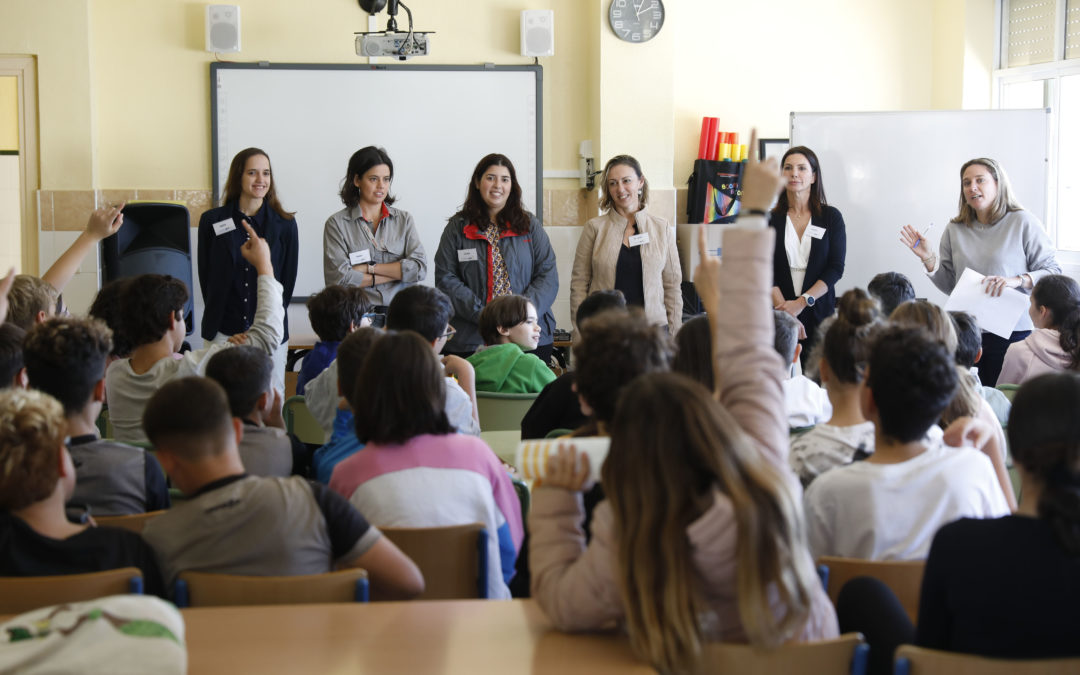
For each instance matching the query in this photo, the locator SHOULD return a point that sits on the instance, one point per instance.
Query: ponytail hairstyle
(678, 469)
(1044, 436)
(925, 314)
(848, 336)
(1061, 295)
(233, 182)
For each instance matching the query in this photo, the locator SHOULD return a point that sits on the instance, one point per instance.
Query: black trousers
(993, 355)
(870, 607)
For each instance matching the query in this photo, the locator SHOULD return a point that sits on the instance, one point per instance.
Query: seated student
(154, 322)
(891, 289)
(107, 307)
(708, 487)
(1054, 345)
(65, 358)
(233, 523)
(12, 370)
(509, 328)
(343, 442)
(693, 352)
(557, 407)
(36, 480)
(847, 436)
(968, 353)
(414, 471)
(266, 449)
(427, 311)
(806, 403)
(889, 506)
(33, 299)
(335, 311)
(1002, 588)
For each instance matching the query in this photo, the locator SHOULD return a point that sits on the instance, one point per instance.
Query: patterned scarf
(500, 279)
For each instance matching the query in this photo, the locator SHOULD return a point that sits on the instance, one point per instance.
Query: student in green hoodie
(510, 330)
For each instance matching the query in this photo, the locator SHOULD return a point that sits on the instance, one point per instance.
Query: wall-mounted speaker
(538, 32)
(222, 28)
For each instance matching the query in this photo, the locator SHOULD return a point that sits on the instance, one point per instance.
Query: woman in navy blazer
(811, 245)
(228, 282)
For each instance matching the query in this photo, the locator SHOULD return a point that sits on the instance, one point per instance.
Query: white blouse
(798, 253)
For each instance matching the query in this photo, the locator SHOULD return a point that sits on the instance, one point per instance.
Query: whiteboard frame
(218, 171)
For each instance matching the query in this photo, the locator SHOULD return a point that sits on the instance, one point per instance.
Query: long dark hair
(1061, 295)
(361, 161)
(236, 172)
(849, 336)
(817, 188)
(475, 210)
(1044, 436)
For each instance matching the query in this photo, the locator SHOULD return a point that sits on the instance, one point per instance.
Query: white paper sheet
(997, 315)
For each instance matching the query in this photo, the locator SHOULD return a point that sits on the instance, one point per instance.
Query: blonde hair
(1004, 202)
(623, 160)
(32, 431)
(677, 470)
(924, 314)
(28, 296)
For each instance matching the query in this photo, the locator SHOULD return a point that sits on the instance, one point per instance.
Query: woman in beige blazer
(629, 249)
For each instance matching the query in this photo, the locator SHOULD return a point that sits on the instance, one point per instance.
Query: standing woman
(227, 281)
(992, 235)
(369, 243)
(811, 245)
(629, 250)
(495, 247)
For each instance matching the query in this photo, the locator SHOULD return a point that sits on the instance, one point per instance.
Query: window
(1040, 66)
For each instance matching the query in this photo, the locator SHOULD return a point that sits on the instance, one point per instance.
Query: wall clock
(636, 20)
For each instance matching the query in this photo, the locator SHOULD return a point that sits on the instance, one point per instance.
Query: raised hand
(914, 240)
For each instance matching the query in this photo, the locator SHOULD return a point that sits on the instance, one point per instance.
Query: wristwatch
(809, 299)
(371, 268)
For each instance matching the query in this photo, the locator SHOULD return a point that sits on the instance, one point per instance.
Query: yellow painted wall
(125, 101)
(57, 32)
(9, 113)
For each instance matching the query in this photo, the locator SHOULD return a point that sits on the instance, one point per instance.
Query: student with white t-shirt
(889, 506)
(805, 402)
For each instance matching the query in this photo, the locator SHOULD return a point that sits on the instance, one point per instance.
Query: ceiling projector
(391, 42)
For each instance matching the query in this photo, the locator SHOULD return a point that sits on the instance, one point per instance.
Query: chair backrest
(1009, 390)
(134, 522)
(452, 559)
(203, 589)
(845, 654)
(300, 421)
(903, 577)
(912, 660)
(502, 412)
(22, 594)
(559, 433)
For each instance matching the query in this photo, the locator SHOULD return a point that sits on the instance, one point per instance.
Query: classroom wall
(124, 84)
(9, 113)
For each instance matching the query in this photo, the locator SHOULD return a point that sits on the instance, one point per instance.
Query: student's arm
(103, 222)
(268, 326)
(463, 372)
(980, 432)
(412, 268)
(355, 543)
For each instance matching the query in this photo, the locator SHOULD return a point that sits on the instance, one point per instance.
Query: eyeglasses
(449, 334)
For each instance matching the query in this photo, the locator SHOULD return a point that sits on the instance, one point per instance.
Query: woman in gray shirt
(369, 243)
(995, 236)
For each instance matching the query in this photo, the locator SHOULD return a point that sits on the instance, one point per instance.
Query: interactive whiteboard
(436, 123)
(887, 169)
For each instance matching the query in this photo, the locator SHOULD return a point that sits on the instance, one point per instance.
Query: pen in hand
(922, 235)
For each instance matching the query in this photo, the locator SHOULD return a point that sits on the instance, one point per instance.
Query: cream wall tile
(155, 195)
(45, 250)
(71, 208)
(80, 291)
(564, 242)
(45, 210)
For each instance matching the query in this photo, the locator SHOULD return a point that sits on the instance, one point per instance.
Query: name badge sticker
(466, 254)
(223, 226)
(360, 257)
(639, 239)
(815, 231)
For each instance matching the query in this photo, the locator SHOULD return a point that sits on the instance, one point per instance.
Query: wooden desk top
(446, 637)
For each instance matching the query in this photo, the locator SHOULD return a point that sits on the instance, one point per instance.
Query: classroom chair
(300, 421)
(22, 594)
(1009, 390)
(453, 559)
(502, 412)
(134, 522)
(840, 656)
(912, 660)
(559, 433)
(203, 589)
(903, 577)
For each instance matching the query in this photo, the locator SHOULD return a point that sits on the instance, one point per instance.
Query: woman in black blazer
(810, 245)
(228, 282)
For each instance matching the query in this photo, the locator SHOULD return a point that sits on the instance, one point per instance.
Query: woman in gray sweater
(995, 236)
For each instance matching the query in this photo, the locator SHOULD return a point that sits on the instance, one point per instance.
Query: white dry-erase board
(887, 169)
(436, 123)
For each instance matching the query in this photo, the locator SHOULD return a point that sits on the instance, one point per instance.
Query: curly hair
(108, 308)
(32, 431)
(65, 358)
(149, 301)
(913, 378)
(335, 309)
